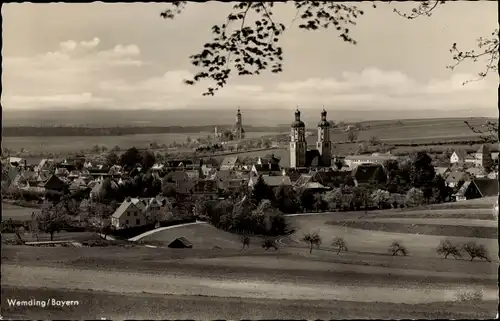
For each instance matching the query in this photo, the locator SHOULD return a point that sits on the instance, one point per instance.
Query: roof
(229, 162)
(475, 171)
(313, 185)
(483, 149)
(461, 191)
(124, 206)
(368, 172)
(293, 175)
(486, 186)
(53, 182)
(326, 177)
(268, 167)
(440, 170)
(180, 242)
(456, 176)
(462, 154)
(272, 181)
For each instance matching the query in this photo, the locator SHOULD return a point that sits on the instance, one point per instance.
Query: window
(138, 221)
(135, 214)
(126, 221)
(128, 214)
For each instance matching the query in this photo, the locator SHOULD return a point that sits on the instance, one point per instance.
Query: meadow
(61, 144)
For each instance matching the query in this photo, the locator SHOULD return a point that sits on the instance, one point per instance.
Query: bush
(446, 248)
(476, 250)
(396, 247)
(268, 244)
(340, 244)
(464, 296)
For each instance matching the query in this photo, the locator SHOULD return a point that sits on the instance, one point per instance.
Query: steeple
(297, 122)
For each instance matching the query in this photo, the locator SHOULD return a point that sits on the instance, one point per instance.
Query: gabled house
(475, 172)
(55, 184)
(461, 156)
(441, 170)
(99, 187)
(207, 187)
(271, 169)
(354, 160)
(271, 181)
(230, 162)
(331, 178)
(483, 156)
(128, 215)
(455, 177)
(477, 188)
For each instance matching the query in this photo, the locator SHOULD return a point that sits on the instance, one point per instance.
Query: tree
(52, 219)
(476, 250)
(147, 159)
(352, 135)
(261, 191)
(414, 197)
(286, 199)
(112, 159)
(312, 239)
(446, 248)
(362, 197)
(130, 158)
(381, 198)
(97, 217)
(422, 171)
(251, 49)
(333, 198)
(397, 247)
(307, 200)
(340, 244)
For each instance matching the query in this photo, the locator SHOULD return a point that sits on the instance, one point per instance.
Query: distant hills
(211, 117)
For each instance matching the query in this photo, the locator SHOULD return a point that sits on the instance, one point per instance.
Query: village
(136, 192)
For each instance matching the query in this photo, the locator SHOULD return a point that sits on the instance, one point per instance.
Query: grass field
(61, 144)
(265, 280)
(17, 212)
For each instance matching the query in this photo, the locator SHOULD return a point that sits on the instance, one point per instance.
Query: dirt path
(124, 282)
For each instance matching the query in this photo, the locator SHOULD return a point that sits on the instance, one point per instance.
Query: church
(300, 156)
(236, 133)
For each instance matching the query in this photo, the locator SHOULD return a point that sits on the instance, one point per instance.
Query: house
(461, 156)
(455, 177)
(441, 170)
(331, 178)
(78, 184)
(475, 172)
(15, 161)
(354, 160)
(477, 188)
(204, 186)
(271, 181)
(128, 215)
(266, 169)
(308, 182)
(55, 184)
(230, 162)
(483, 156)
(180, 243)
(369, 173)
(208, 171)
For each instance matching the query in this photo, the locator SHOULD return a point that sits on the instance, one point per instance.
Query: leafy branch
(488, 131)
(425, 8)
(488, 49)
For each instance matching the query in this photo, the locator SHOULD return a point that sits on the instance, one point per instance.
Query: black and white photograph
(239, 160)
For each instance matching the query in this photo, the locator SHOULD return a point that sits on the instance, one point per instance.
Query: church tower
(298, 144)
(238, 131)
(323, 145)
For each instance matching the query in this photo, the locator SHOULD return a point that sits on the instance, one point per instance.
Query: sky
(124, 56)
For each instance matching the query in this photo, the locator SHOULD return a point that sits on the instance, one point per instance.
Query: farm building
(180, 243)
(477, 188)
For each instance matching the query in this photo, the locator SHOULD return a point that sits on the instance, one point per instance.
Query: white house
(128, 214)
(355, 160)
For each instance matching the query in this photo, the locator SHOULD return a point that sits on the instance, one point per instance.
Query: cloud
(59, 100)
(62, 75)
(87, 73)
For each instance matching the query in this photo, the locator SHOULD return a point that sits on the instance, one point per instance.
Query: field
(61, 144)
(366, 282)
(15, 212)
